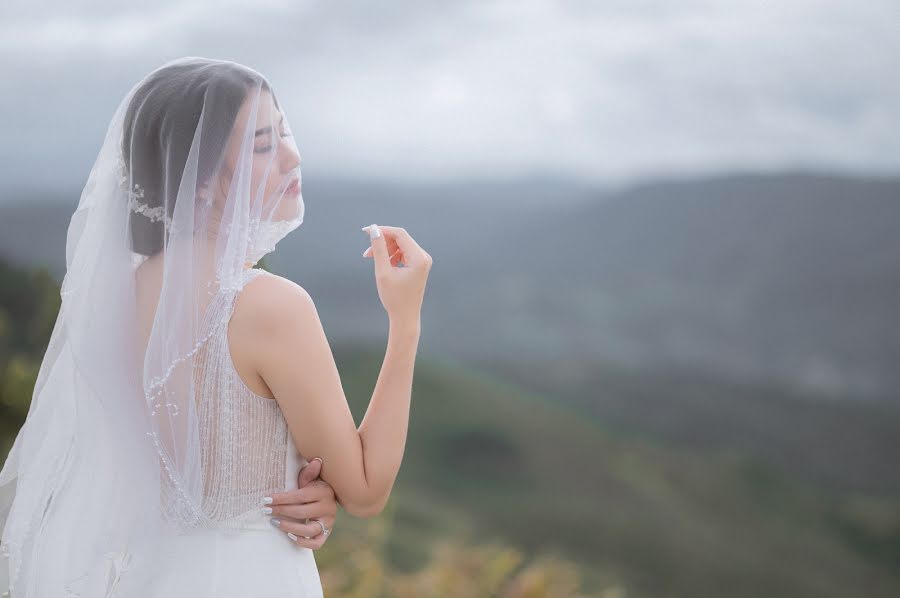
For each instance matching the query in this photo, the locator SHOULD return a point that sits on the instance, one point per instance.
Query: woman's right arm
(293, 357)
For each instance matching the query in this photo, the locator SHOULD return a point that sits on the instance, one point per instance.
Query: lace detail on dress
(244, 436)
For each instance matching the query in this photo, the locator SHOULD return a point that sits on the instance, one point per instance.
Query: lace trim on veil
(136, 193)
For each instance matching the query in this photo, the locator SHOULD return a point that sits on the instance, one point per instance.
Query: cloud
(599, 90)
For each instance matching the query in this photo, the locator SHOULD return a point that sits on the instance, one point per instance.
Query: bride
(183, 388)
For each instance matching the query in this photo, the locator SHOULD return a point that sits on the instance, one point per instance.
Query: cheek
(267, 181)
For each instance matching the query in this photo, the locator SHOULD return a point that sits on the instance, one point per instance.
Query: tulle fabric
(196, 179)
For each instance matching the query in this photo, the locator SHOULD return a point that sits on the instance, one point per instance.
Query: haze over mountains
(787, 277)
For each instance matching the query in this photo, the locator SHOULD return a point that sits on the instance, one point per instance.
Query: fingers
(315, 544)
(316, 490)
(379, 247)
(309, 472)
(294, 511)
(401, 247)
(404, 241)
(309, 534)
(301, 512)
(396, 256)
(388, 239)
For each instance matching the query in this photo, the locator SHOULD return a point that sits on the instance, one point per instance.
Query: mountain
(784, 277)
(791, 277)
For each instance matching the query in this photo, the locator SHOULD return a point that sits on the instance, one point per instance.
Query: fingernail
(292, 536)
(274, 521)
(267, 500)
(365, 251)
(267, 510)
(374, 232)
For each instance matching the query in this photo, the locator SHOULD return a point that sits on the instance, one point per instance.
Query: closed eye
(268, 148)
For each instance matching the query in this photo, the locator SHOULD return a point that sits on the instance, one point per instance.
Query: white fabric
(141, 457)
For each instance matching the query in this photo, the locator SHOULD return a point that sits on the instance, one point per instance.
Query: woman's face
(275, 159)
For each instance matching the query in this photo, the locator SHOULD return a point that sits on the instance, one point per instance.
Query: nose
(288, 155)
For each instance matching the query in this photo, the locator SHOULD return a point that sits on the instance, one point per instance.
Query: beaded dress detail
(247, 450)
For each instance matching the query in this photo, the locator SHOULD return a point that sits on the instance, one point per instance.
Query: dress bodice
(246, 448)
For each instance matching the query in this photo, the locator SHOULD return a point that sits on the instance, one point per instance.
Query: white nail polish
(292, 536)
(374, 231)
(267, 500)
(267, 510)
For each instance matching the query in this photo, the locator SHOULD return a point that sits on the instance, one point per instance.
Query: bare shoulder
(268, 303)
(271, 291)
(272, 316)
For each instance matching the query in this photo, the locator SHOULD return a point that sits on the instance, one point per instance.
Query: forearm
(384, 427)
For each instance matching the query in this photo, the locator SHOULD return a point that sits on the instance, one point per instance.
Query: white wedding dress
(247, 453)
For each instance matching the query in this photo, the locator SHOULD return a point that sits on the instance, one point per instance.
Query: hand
(400, 288)
(296, 509)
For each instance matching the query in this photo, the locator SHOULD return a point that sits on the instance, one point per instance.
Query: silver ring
(325, 530)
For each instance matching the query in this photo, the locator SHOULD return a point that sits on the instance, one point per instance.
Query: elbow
(376, 508)
(365, 510)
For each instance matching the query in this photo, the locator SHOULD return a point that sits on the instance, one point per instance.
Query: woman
(182, 387)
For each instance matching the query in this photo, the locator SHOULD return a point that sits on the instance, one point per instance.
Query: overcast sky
(607, 91)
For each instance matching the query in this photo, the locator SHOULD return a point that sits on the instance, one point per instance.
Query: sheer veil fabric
(197, 178)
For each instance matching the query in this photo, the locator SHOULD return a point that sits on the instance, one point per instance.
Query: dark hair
(168, 106)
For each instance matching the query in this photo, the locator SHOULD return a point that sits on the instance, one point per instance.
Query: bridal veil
(197, 178)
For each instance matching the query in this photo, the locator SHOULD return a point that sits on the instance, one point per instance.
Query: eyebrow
(267, 129)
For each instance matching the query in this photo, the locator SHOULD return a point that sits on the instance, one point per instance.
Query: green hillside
(486, 459)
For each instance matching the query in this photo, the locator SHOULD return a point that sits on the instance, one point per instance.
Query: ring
(325, 530)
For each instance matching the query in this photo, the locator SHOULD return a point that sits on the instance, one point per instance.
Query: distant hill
(686, 504)
(786, 277)
(791, 277)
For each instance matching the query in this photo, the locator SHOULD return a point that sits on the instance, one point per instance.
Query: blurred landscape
(678, 387)
(660, 348)
(783, 277)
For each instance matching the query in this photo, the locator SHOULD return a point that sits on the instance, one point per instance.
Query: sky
(601, 91)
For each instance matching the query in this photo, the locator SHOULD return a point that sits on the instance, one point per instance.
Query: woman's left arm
(313, 500)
